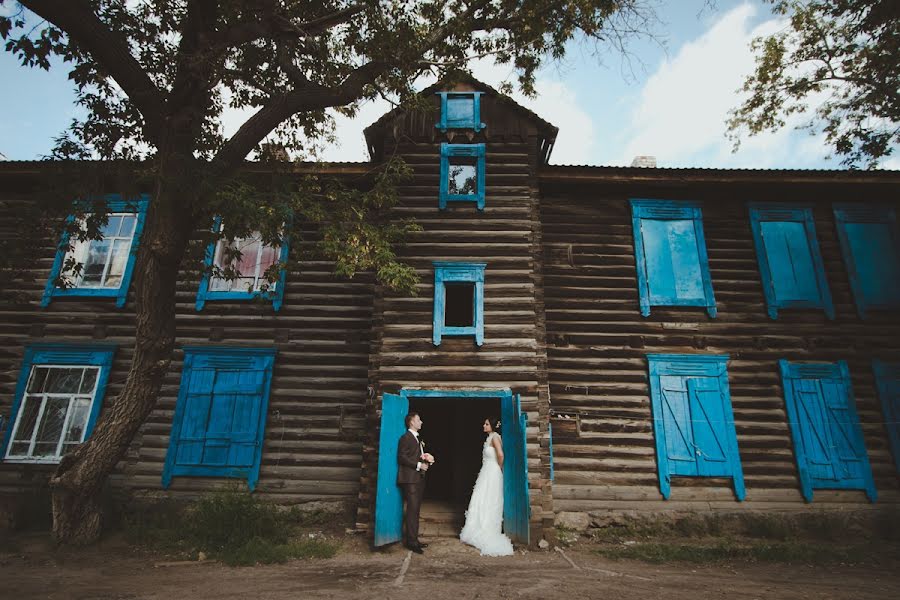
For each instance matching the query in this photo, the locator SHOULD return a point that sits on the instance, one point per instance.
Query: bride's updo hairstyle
(495, 424)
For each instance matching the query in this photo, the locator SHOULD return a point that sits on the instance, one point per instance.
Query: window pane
(38, 379)
(246, 264)
(459, 308)
(111, 229)
(117, 263)
(50, 427)
(63, 380)
(89, 381)
(31, 406)
(128, 223)
(78, 420)
(460, 110)
(94, 263)
(462, 176)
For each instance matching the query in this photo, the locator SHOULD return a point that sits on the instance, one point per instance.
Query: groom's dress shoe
(423, 545)
(415, 548)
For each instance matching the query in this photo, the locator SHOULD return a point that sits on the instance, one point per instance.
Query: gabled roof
(549, 130)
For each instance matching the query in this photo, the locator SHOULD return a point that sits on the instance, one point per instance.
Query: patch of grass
(261, 551)
(767, 526)
(724, 551)
(232, 526)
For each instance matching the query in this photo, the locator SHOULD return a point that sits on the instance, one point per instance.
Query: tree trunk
(78, 483)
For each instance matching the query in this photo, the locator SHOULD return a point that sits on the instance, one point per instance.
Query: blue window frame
(693, 422)
(670, 252)
(460, 110)
(220, 416)
(828, 440)
(793, 275)
(458, 301)
(887, 378)
(870, 242)
(57, 400)
(462, 174)
(256, 258)
(107, 264)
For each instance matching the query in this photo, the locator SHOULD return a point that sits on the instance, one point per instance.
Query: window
(462, 174)
(870, 242)
(248, 258)
(670, 251)
(57, 400)
(220, 415)
(790, 264)
(460, 110)
(458, 301)
(828, 441)
(693, 423)
(887, 378)
(107, 263)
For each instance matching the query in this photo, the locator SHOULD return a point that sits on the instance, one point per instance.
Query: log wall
(598, 341)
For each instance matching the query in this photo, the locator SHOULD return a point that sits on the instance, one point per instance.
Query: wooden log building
(652, 340)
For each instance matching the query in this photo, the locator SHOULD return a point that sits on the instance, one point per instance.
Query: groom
(413, 462)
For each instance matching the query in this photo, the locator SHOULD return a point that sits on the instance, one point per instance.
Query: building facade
(651, 339)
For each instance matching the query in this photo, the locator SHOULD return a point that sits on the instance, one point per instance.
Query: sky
(669, 100)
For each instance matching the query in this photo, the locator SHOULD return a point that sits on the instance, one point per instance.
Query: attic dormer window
(460, 110)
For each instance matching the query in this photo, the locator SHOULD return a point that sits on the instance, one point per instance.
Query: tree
(840, 54)
(154, 77)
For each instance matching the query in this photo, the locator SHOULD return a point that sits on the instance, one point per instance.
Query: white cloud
(681, 111)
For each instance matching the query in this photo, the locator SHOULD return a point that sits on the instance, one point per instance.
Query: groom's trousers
(412, 493)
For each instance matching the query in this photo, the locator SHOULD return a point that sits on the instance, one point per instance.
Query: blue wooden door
(887, 376)
(516, 507)
(389, 499)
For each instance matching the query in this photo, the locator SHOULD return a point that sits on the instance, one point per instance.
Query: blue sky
(670, 102)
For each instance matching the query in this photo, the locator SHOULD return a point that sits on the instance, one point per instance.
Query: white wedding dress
(484, 518)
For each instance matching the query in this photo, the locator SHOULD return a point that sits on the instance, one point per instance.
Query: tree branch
(111, 51)
(277, 26)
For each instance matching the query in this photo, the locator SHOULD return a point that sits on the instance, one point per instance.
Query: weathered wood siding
(315, 425)
(597, 343)
(506, 236)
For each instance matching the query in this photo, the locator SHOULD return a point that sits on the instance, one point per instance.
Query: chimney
(644, 161)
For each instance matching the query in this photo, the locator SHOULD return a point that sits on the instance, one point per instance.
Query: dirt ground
(447, 571)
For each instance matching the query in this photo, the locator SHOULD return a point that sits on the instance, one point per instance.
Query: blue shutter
(460, 110)
(828, 440)
(221, 414)
(887, 377)
(692, 420)
(516, 505)
(389, 499)
(870, 242)
(790, 264)
(670, 253)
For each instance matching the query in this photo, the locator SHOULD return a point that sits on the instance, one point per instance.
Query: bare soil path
(448, 571)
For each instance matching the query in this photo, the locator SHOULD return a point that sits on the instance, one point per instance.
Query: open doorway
(452, 432)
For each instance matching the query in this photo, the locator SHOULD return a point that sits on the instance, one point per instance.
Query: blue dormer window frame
(114, 204)
(448, 151)
(790, 262)
(870, 244)
(60, 356)
(457, 113)
(451, 272)
(663, 268)
(204, 294)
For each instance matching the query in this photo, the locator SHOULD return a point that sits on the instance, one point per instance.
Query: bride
(484, 517)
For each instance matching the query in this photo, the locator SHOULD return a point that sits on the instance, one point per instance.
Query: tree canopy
(836, 60)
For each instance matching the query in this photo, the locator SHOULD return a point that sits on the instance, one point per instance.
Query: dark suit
(412, 482)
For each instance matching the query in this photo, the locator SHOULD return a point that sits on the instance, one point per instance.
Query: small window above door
(458, 301)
